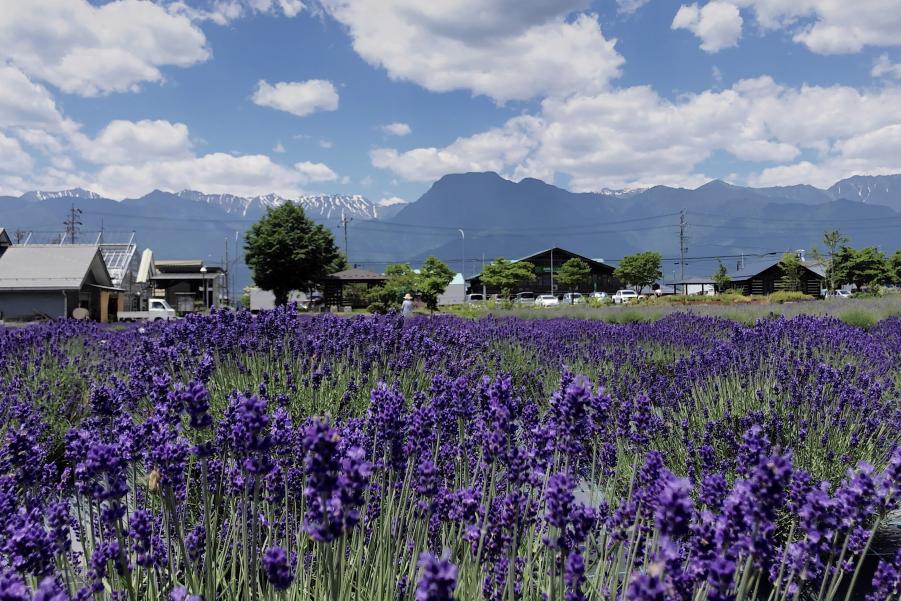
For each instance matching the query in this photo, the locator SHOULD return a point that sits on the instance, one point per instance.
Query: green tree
(572, 273)
(434, 276)
(894, 267)
(868, 266)
(841, 266)
(833, 240)
(791, 272)
(400, 279)
(721, 276)
(287, 251)
(639, 270)
(507, 275)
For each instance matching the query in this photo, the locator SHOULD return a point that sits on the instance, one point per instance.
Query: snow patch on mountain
(73, 193)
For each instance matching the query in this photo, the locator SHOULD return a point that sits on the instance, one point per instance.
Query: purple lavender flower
(12, 588)
(279, 571)
(438, 580)
(559, 498)
(645, 587)
(50, 590)
(674, 508)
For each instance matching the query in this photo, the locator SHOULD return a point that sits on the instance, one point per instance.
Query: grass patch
(630, 316)
(859, 318)
(786, 296)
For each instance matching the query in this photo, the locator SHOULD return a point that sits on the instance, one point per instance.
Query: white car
(598, 296)
(547, 300)
(842, 294)
(625, 296)
(572, 298)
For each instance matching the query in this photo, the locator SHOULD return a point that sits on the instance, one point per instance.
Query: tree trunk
(281, 297)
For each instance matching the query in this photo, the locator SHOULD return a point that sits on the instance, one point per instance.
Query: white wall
(455, 292)
(264, 299)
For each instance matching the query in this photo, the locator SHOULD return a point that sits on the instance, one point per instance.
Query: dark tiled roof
(357, 274)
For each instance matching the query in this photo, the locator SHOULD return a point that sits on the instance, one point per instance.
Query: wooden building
(348, 287)
(765, 277)
(547, 264)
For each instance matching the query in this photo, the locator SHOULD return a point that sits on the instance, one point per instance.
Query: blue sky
(256, 96)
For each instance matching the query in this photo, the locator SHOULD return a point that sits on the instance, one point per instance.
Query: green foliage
(434, 276)
(859, 318)
(507, 275)
(894, 267)
(721, 276)
(400, 279)
(791, 272)
(287, 251)
(640, 270)
(573, 273)
(377, 307)
(870, 266)
(833, 240)
(862, 267)
(788, 296)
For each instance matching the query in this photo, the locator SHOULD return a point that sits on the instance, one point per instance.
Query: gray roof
(4, 238)
(753, 267)
(355, 273)
(52, 267)
(695, 280)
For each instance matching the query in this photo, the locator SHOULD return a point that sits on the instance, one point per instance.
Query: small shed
(348, 287)
(51, 280)
(696, 285)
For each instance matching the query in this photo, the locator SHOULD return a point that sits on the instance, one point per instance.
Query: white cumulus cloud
(397, 129)
(634, 137)
(503, 49)
(215, 173)
(12, 158)
(136, 142)
(886, 68)
(830, 26)
(718, 24)
(90, 50)
(299, 98)
(223, 12)
(493, 150)
(315, 172)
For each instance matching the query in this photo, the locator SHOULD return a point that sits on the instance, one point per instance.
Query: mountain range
(497, 217)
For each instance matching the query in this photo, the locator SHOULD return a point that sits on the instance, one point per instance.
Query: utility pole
(72, 223)
(227, 290)
(552, 270)
(682, 248)
(344, 221)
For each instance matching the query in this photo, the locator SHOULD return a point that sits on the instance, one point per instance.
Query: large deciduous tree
(287, 251)
(573, 273)
(507, 275)
(640, 270)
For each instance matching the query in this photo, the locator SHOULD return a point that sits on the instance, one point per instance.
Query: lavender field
(371, 458)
